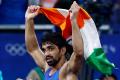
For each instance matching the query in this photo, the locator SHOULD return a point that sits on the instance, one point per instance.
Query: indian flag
(93, 52)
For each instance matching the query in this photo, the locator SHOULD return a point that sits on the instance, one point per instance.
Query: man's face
(52, 53)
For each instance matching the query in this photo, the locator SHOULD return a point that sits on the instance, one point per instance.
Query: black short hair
(57, 39)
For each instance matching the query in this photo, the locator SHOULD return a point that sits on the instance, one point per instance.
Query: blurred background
(15, 62)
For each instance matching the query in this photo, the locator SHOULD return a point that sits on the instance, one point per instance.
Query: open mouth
(49, 60)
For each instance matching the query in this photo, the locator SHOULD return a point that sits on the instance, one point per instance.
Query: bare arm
(71, 68)
(30, 37)
(76, 60)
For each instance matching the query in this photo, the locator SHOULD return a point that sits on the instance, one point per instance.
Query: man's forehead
(47, 44)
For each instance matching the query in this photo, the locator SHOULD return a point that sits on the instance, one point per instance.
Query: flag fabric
(60, 18)
(93, 52)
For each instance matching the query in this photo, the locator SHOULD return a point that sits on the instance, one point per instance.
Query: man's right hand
(32, 12)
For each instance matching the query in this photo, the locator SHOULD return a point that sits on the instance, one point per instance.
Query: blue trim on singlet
(55, 76)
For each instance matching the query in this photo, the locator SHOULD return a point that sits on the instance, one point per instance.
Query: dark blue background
(16, 66)
(111, 45)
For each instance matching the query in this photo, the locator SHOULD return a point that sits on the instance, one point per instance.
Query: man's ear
(63, 50)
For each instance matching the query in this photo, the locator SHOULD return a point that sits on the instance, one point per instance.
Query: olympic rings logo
(15, 49)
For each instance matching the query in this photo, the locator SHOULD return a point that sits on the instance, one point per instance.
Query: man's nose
(47, 53)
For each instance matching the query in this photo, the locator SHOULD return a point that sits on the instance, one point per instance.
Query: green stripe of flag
(99, 61)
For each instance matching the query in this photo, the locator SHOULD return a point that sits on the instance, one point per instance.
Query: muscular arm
(31, 40)
(72, 67)
(76, 60)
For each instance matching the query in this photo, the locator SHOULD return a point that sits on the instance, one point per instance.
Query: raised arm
(30, 37)
(72, 67)
(76, 60)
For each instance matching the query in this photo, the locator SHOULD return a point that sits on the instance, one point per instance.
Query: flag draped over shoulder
(93, 52)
